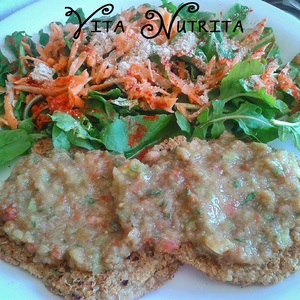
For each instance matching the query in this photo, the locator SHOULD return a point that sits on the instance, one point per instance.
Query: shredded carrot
(252, 38)
(77, 63)
(287, 84)
(45, 91)
(107, 84)
(100, 61)
(9, 116)
(181, 69)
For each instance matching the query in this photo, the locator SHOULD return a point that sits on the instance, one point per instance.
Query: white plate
(188, 284)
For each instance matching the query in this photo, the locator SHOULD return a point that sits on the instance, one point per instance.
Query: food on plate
(124, 87)
(61, 206)
(143, 272)
(95, 210)
(58, 221)
(229, 208)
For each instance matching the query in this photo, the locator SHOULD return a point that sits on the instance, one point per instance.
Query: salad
(118, 90)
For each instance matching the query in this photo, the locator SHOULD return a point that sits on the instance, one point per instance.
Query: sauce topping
(61, 208)
(237, 201)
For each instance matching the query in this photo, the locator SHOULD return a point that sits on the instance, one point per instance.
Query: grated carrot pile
(106, 59)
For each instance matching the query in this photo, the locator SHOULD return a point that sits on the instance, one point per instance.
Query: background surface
(7, 7)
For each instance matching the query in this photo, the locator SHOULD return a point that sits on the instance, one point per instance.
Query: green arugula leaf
(157, 60)
(27, 125)
(73, 131)
(143, 131)
(235, 14)
(289, 127)
(73, 19)
(257, 97)
(111, 94)
(114, 136)
(184, 14)
(217, 45)
(5, 68)
(2, 111)
(98, 101)
(59, 138)
(13, 42)
(290, 131)
(231, 84)
(268, 39)
(169, 6)
(83, 142)
(282, 107)
(248, 116)
(13, 143)
(20, 105)
(182, 122)
(44, 38)
(294, 71)
(131, 134)
(101, 110)
(247, 121)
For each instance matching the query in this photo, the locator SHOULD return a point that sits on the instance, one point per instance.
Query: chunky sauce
(61, 208)
(238, 201)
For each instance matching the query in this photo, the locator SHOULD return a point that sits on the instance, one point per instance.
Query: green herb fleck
(163, 204)
(250, 197)
(278, 170)
(268, 217)
(56, 272)
(191, 224)
(134, 168)
(154, 192)
(237, 183)
(168, 216)
(188, 192)
(239, 240)
(89, 200)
